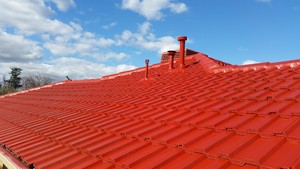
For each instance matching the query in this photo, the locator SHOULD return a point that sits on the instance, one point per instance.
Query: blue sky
(92, 38)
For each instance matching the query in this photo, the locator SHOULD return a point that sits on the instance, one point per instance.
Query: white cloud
(89, 45)
(104, 42)
(248, 62)
(110, 25)
(76, 27)
(86, 43)
(264, 1)
(67, 40)
(109, 55)
(126, 35)
(144, 28)
(31, 17)
(64, 5)
(59, 68)
(166, 43)
(59, 49)
(61, 39)
(178, 7)
(152, 9)
(78, 68)
(17, 48)
(147, 40)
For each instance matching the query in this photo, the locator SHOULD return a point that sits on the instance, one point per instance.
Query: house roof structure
(209, 114)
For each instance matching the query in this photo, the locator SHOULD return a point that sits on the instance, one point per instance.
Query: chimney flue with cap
(182, 40)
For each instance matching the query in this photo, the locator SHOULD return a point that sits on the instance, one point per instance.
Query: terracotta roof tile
(209, 115)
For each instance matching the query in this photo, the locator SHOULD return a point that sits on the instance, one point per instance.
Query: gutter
(9, 161)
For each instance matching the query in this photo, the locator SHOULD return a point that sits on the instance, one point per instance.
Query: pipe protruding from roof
(147, 67)
(182, 40)
(68, 78)
(171, 58)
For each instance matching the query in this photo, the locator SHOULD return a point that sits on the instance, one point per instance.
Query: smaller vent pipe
(147, 67)
(171, 58)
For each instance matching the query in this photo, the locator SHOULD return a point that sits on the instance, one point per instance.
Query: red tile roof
(209, 115)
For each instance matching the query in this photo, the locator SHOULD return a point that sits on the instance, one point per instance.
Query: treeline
(18, 83)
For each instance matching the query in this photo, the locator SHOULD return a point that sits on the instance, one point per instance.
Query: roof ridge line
(217, 66)
(256, 66)
(208, 62)
(129, 72)
(32, 89)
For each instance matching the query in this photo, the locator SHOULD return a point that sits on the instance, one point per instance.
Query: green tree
(5, 88)
(15, 79)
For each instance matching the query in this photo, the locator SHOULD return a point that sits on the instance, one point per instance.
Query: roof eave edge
(10, 161)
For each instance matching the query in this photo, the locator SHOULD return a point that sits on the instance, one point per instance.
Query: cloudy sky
(92, 38)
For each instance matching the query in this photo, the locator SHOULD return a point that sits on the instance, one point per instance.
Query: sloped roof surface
(209, 115)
